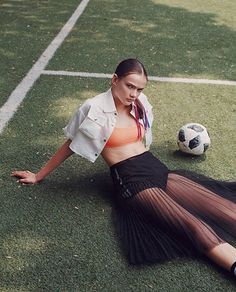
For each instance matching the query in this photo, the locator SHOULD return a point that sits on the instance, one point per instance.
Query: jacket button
(104, 140)
(96, 154)
(115, 114)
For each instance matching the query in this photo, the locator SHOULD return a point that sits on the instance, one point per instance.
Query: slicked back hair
(130, 66)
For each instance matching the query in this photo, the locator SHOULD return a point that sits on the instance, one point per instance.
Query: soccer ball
(193, 138)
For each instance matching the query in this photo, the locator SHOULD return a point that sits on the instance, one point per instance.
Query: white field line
(153, 78)
(17, 96)
(76, 74)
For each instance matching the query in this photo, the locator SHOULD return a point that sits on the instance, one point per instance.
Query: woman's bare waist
(117, 154)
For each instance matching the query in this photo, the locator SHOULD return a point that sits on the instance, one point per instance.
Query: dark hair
(130, 66)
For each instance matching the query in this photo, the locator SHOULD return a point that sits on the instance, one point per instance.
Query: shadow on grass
(177, 159)
(170, 41)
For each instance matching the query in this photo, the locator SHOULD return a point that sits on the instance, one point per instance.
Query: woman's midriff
(117, 154)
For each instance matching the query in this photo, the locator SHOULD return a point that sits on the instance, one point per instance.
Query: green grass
(172, 40)
(210, 105)
(26, 28)
(58, 235)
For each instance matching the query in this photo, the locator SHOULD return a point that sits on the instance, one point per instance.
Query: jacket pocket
(92, 125)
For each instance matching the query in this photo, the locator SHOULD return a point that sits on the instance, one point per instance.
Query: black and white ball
(193, 138)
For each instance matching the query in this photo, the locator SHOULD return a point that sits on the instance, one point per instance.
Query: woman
(160, 214)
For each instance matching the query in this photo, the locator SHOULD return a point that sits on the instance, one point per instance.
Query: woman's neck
(120, 107)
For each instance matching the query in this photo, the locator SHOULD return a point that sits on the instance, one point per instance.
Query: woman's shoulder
(99, 99)
(144, 100)
(102, 102)
(94, 102)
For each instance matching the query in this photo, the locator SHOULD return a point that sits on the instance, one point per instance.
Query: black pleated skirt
(160, 214)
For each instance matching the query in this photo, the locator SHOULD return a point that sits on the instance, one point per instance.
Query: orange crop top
(124, 136)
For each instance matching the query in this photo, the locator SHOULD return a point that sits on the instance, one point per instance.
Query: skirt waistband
(116, 165)
(142, 170)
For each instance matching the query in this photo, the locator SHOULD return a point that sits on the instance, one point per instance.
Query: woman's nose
(134, 93)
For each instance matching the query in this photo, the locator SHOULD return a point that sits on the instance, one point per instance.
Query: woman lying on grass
(160, 214)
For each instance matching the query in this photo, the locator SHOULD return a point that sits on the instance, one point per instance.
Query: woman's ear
(114, 79)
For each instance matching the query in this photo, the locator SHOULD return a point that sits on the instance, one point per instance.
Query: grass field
(58, 235)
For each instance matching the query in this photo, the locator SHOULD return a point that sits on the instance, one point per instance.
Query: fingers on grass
(15, 173)
(20, 173)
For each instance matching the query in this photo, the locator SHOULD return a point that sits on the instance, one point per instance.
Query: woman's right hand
(25, 177)
(28, 177)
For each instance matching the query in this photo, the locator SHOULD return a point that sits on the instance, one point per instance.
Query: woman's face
(126, 89)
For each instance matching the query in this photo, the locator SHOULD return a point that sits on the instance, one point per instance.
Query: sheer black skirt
(161, 214)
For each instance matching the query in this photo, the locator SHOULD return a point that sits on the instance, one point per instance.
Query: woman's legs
(224, 255)
(201, 201)
(174, 220)
(204, 202)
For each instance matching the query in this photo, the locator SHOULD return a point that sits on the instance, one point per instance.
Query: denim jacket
(92, 125)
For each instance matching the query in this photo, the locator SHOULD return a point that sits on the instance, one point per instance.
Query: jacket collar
(108, 102)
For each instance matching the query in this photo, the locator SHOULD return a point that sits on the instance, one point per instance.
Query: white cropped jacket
(92, 124)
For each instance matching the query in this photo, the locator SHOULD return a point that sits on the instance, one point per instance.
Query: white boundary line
(76, 74)
(153, 78)
(17, 96)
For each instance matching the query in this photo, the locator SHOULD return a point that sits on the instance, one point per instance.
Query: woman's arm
(27, 177)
